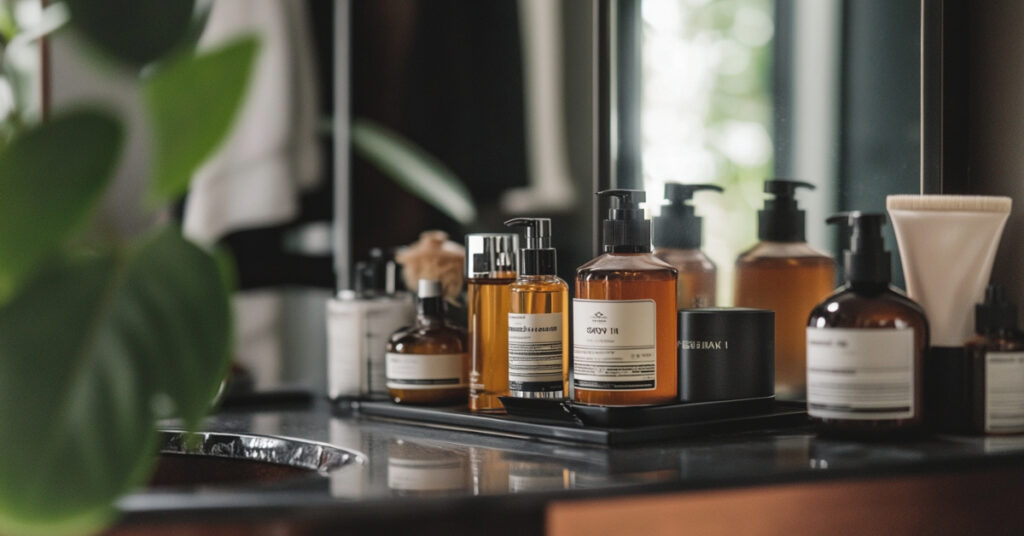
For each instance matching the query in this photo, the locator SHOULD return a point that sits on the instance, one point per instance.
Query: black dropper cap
(429, 298)
(538, 257)
(996, 313)
(678, 226)
(781, 220)
(866, 259)
(625, 230)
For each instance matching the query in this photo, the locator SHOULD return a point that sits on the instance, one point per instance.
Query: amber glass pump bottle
(490, 270)
(786, 275)
(624, 315)
(676, 235)
(538, 323)
(996, 367)
(865, 344)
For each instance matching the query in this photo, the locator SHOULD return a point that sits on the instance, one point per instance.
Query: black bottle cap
(378, 275)
(781, 220)
(678, 226)
(538, 257)
(996, 313)
(429, 297)
(625, 230)
(866, 259)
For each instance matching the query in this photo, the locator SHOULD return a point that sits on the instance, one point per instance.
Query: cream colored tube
(947, 245)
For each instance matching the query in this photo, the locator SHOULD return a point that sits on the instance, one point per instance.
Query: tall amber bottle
(865, 344)
(490, 270)
(676, 236)
(786, 275)
(538, 319)
(624, 315)
(427, 363)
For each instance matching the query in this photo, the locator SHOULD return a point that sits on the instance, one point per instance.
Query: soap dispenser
(538, 323)
(676, 236)
(624, 315)
(786, 275)
(865, 344)
(996, 367)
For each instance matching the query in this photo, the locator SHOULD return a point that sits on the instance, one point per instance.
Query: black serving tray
(608, 426)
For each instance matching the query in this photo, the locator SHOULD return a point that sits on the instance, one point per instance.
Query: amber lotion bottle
(538, 318)
(786, 275)
(624, 315)
(676, 236)
(996, 367)
(490, 271)
(865, 344)
(427, 363)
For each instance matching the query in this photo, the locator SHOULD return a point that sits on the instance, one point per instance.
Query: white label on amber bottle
(860, 374)
(535, 352)
(426, 371)
(614, 345)
(1004, 392)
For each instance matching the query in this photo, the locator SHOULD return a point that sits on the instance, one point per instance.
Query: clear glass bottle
(490, 270)
(538, 319)
(996, 367)
(624, 316)
(427, 363)
(865, 344)
(786, 275)
(676, 236)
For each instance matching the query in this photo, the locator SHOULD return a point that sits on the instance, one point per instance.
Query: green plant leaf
(92, 350)
(133, 31)
(414, 169)
(51, 177)
(192, 103)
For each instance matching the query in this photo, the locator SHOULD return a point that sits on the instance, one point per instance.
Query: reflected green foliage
(91, 351)
(44, 199)
(193, 102)
(135, 32)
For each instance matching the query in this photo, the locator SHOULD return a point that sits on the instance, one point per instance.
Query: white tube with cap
(947, 246)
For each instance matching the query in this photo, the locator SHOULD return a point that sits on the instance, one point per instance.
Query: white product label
(381, 321)
(1004, 392)
(426, 371)
(614, 345)
(535, 352)
(860, 374)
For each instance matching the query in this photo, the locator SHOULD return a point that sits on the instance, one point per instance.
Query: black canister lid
(726, 353)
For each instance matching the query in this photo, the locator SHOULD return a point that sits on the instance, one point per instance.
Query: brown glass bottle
(995, 367)
(790, 279)
(427, 363)
(490, 270)
(866, 345)
(697, 276)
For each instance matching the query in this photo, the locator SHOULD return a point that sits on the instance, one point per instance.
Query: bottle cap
(781, 220)
(678, 226)
(429, 288)
(538, 257)
(378, 275)
(487, 254)
(996, 312)
(625, 230)
(866, 260)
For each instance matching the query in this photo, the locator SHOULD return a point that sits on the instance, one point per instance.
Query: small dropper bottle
(676, 236)
(538, 319)
(996, 366)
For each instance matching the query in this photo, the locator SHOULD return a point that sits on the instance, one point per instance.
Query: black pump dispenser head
(625, 230)
(781, 220)
(538, 257)
(866, 259)
(996, 313)
(678, 226)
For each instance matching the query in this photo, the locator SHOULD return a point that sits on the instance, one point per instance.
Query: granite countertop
(420, 468)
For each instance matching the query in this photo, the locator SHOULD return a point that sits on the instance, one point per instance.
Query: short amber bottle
(866, 344)
(427, 363)
(996, 367)
(624, 316)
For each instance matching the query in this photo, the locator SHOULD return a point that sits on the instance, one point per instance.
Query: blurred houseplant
(100, 336)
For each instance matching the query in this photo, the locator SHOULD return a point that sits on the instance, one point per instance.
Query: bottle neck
(626, 249)
(868, 287)
(430, 312)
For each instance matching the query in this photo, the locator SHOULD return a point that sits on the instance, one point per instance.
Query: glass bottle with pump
(490, 270)
(427, 363)
(865, 344)
(996, 367)
(676, 235)
(538, 323)
(786, 275)
(624, 315)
